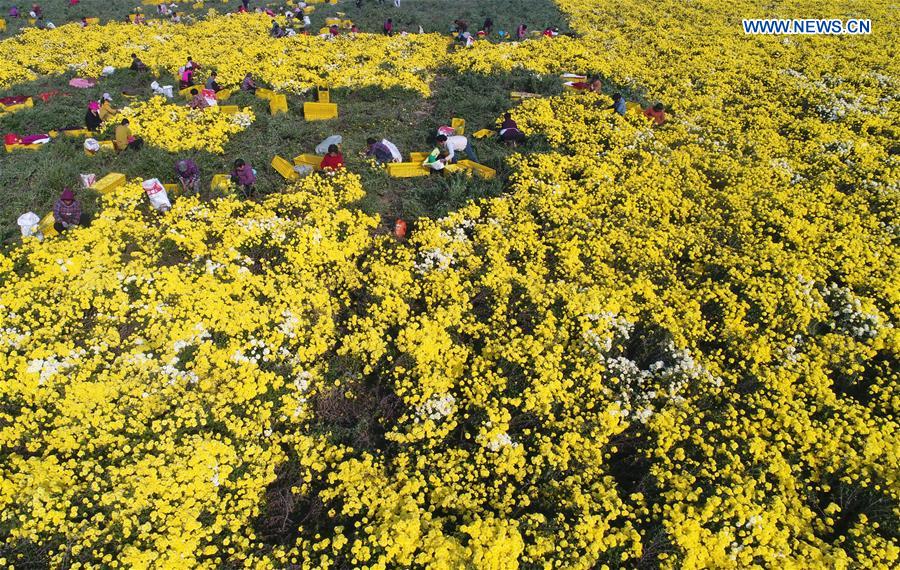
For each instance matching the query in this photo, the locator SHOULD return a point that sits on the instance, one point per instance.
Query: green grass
(32, 180)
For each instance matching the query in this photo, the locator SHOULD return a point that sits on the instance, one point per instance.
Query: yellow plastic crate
(2, 25)
(264, 93)
(347, 23)
(12, 147)
(186, 92)
(406, 169)
(284, 168)
(320, 111)
(152, 2)
(484, 171)
(46, 225)
(27, 104)
(94, 21)
(220, 182)
(172, 188)
(308, 159)
(309, 10)
(519, 95)
(332, 22)
(324, 96)
(228, 109)
(324, 31)
(74, 133)
(634, 108)
(459, 125)
(483, 133)
(223, 95)
(109, 183)
(418, 157)
(278, 104)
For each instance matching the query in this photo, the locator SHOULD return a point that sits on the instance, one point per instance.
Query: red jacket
(332, 162)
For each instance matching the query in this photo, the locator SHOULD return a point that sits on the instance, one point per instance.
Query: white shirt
(455, 143)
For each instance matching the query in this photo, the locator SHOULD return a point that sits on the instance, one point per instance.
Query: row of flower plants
(664, 346)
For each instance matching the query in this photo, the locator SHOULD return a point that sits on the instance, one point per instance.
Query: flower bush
(176, 127)
(671, 346)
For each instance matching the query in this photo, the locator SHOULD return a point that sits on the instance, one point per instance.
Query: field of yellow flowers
(664, 346)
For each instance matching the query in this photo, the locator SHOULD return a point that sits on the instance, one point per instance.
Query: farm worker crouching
(187, 78)
(618, 104)
(244, 177)
(198, 101)
(248, 84)
(137, 64)
(382, 151)
(454, 144)
(657, 113)
(124, 139)
(67, 212)
(276, 31)
(521, 32)
(509, 131)
(107, 111)
(212, 83)
(92, 119)
(188, 175)
(333, 160)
